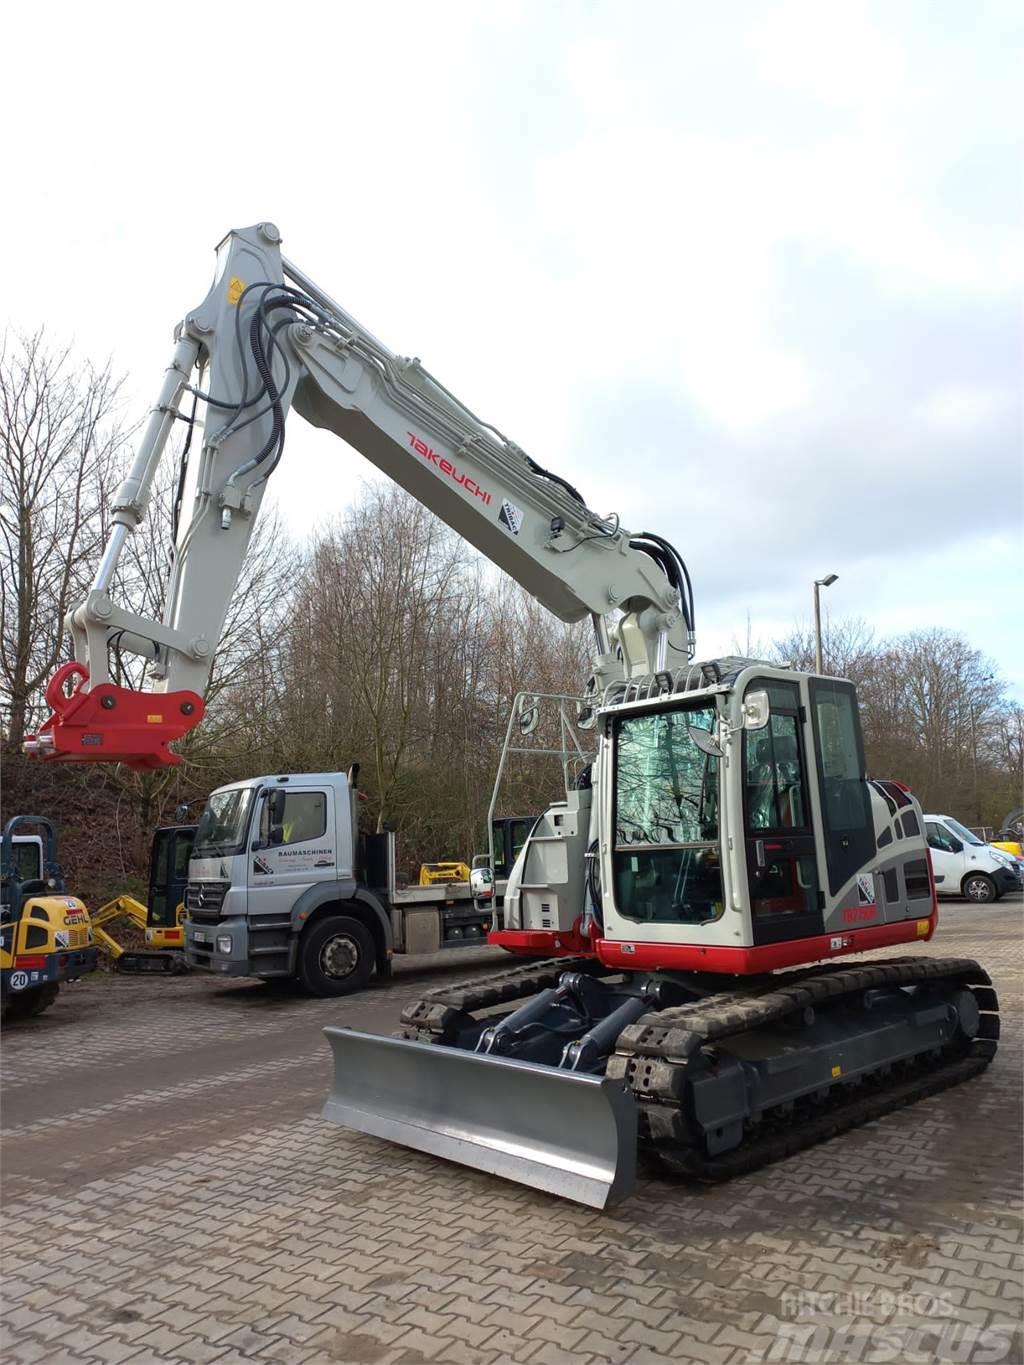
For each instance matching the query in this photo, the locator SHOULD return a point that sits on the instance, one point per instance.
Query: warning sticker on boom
(511, 516)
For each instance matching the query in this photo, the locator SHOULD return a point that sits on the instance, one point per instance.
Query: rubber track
(680, 1031)
(653, 1055)
(857, 1110)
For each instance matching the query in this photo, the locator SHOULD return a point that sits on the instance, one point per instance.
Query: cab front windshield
(223, 824)
(666, 861)
(962, 832)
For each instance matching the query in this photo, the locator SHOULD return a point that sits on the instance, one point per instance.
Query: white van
(965, 865)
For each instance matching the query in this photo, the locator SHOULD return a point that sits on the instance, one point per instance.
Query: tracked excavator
(685, 915)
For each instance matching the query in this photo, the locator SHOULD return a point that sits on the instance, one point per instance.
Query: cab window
(182, 854)
(666, 858)
(845, 804)
(303, 817)
(939, 837)
(776, 788)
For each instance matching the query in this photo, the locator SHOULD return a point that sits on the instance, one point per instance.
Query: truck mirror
(277, 799)
(756, 710)
(276, 836)
(481, 883)
(955, 846)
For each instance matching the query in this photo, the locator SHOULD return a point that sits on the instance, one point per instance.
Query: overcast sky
(748, 274)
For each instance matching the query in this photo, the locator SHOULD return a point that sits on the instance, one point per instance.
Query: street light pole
(818, 584)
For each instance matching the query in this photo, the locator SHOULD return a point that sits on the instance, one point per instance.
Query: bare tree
(848, 648)
(61, 432)
(383, 586)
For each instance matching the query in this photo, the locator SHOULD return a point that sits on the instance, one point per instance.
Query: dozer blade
(560, 1131)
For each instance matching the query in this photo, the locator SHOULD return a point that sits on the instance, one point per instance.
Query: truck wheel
(336, 956)
(979, 888)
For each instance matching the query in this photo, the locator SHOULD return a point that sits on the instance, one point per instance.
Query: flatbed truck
(282, 884)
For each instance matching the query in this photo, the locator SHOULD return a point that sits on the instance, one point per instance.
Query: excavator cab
(45, 934)
(162, 919)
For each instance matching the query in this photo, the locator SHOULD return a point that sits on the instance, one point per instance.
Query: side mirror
(276, 836)
(276, 802)
(481, 883)
(529, 716)
(756, 710)
(955, 846)
(704, 741)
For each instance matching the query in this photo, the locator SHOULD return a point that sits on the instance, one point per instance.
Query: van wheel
(335, 956)
(979, 888)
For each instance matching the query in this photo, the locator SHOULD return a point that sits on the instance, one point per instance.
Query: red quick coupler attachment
(110, 724)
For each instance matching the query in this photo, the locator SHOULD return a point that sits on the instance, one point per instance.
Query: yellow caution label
(923, 925)
(836, 1071)
(154, 720)
(236, 288)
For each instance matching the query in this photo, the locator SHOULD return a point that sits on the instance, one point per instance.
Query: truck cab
(964, 865)
(282, 883)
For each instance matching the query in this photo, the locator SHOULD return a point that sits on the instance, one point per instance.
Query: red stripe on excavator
(769, 957)
(692, 957)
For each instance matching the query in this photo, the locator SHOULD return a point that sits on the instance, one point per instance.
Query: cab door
(782, 869)
(168, 874)
(292, 846)
(848, 826)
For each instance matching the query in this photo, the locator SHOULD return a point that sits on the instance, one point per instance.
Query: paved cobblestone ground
(182, 1201)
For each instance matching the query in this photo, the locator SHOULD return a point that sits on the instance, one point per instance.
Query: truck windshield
(962, 832)
(223, 824)
(666, 859)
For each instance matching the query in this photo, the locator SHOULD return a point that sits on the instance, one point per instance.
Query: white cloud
(972, 413)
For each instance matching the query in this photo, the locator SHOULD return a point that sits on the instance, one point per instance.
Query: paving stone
(254, 1231)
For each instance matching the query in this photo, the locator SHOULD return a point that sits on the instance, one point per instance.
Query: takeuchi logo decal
(446, 467)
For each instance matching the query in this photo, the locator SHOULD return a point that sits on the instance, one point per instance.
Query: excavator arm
(267, 340)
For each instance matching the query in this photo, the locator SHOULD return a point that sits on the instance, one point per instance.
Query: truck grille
(205, 897)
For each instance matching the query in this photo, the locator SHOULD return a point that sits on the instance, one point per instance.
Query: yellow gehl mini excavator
(45, 934)
(162, 918)
(697, 891)
(441, 874)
